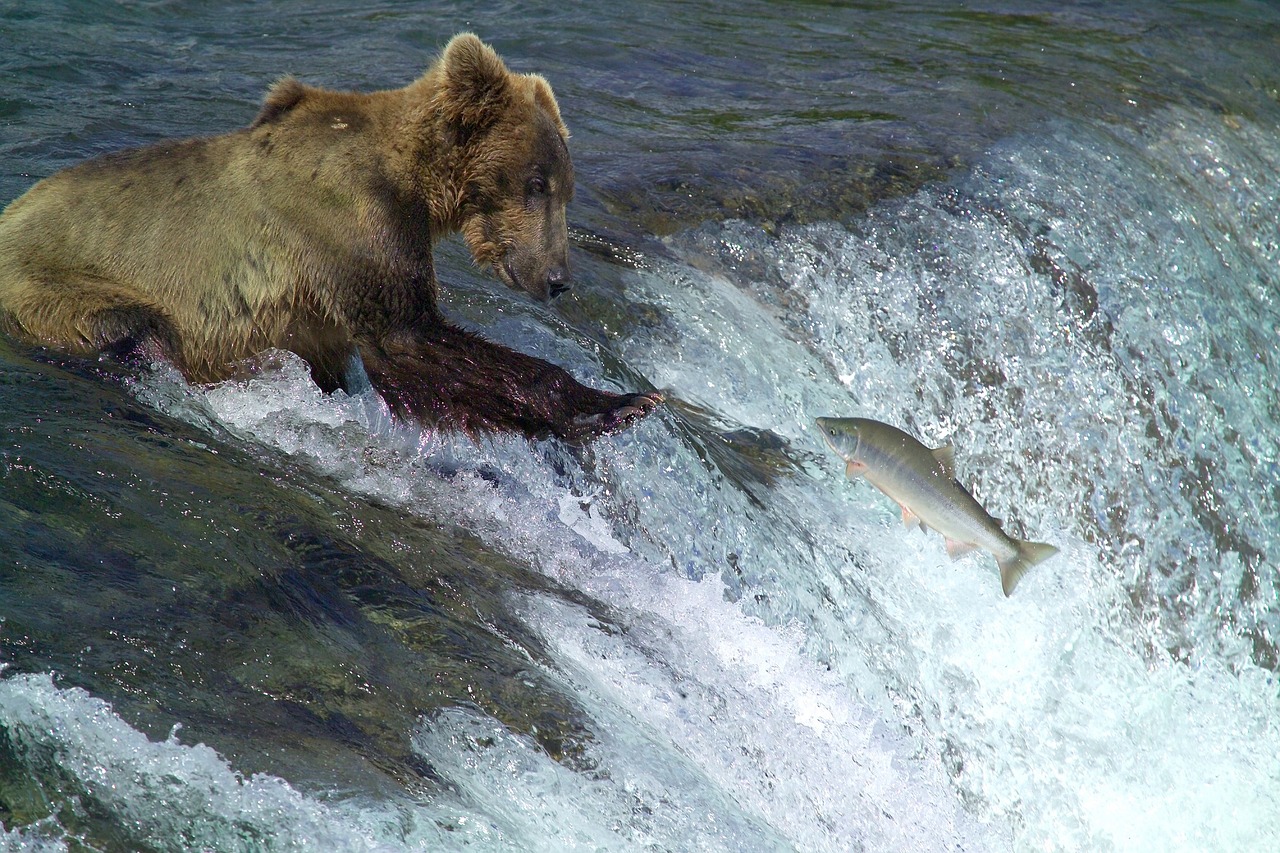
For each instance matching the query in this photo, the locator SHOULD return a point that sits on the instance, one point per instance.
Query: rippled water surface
(253, 616)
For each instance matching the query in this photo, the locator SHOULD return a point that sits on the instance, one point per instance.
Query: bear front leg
(453, 379)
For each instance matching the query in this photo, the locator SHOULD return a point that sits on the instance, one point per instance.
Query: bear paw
(623, 410)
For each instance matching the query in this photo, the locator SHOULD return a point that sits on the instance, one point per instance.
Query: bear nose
(557, 281)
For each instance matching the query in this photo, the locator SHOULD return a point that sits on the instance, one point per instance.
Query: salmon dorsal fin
(946, 456)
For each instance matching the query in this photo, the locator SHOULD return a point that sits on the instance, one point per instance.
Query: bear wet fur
(312, 230)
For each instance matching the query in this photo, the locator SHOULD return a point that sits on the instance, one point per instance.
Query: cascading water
(698, 634)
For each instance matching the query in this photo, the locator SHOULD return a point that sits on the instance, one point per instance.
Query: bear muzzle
(542, 283)
(558, 281)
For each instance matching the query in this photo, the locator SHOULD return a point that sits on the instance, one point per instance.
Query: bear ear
(283, 97)
(546, 99)
(475, 81)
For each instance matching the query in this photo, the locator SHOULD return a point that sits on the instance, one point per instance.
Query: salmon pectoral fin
(910, 519)
(854, 469)
(1028, 555)
(956, 550)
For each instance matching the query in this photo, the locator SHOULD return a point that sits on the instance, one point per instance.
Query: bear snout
(558, 281)
(527, 272)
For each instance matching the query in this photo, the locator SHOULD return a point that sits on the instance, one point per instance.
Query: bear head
(509, 165)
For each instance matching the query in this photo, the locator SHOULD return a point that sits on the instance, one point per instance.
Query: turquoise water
(252, 616)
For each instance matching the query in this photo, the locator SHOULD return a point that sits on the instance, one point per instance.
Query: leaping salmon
(923, 483)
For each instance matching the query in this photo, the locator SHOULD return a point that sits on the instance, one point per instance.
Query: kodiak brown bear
(312, 230)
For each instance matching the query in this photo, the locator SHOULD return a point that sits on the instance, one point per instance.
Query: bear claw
(630, 407)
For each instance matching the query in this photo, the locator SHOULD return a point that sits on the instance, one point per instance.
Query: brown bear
(312, 230)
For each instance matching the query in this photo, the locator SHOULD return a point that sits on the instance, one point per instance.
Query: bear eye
(537, 185)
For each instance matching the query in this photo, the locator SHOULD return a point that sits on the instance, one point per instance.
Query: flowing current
(254, 616)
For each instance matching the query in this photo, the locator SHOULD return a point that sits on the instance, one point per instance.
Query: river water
(254, 617)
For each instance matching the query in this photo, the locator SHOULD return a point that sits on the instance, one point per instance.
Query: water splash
(148, 793)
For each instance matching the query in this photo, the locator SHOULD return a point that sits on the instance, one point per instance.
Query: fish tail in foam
(1028, 554)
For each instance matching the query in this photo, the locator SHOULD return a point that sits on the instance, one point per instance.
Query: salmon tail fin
(1029, 554)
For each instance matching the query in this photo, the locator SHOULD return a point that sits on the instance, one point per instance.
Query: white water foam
(714, 731)
(162, 790)
(167, 795)
(1062, 707)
